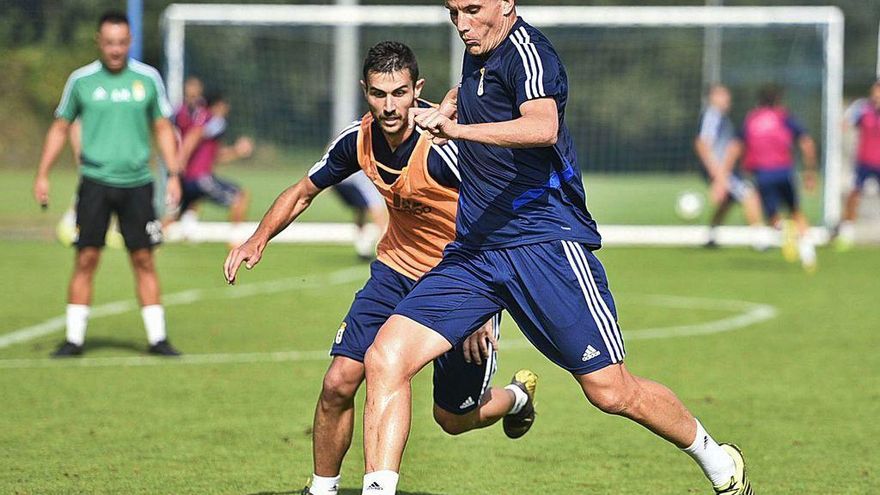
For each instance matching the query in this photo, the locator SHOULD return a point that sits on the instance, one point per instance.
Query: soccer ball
(67, 233)
(65, 229)
(689, 205)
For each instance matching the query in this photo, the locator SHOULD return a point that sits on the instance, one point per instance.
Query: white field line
(748, 313)
(188, 297)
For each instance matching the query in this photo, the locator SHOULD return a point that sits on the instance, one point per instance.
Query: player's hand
(244, 147)
(432, 120)
(248, 253)
(480, 344)
(810, 180)
(41, 191)
(172, 192)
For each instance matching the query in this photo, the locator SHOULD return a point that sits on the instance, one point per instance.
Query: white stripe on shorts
(615, 328)
(598, 318)
(492, 361)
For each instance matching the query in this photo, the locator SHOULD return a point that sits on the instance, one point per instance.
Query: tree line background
(42, 41)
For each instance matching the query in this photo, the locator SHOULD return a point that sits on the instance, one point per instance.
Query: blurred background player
(863, 114)
(419, 183)
(202, 127)
(193, 100)
(715, 147)
(117, 100)
(768, 135)
(370, 214)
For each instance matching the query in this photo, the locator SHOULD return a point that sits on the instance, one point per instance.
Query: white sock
(520, 398)
(713, 460)
(713, 233)
(847, 231)
(324, 486)
(77, 319)
(380, 483)
(807, 251)
(154, 322)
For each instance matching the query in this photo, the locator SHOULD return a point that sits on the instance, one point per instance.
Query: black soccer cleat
(305, 491)
(517, 425)
(164, 348)
(68, 349)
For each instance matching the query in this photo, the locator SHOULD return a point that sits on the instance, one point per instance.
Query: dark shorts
(133, 207)
(777, 187)
(215, 189)
(458, 385)
(556, 292)
(865, 172)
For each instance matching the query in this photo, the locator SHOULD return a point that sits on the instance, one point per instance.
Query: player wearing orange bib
(419, 182)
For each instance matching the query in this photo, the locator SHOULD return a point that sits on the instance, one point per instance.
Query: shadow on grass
(93, 344)
(344, 491)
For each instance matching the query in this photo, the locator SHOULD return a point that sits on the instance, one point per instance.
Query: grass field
(649, 199)
(798, 391)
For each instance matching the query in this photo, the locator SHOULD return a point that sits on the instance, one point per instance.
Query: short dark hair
(213, 97)
(390, 56)
(112, 17)
(769, 95)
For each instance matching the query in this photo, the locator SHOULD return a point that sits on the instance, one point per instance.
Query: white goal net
(637, 78)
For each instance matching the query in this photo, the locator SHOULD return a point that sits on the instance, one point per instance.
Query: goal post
(599, 46)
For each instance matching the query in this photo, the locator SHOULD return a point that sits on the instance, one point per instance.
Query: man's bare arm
(537, 127)
(703, 150)
(167, 144)
(189, 144)
(810, 158)
(287, 207)
(52, 146)
(808, 152)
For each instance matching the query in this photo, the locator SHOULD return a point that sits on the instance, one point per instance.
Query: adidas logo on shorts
(467, 403)
(590, 353)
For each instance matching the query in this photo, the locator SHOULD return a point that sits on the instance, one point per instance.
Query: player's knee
(383, 363)
(87, 260)
(142, 260)
(451, 424)
(241, 198)
(617, 400)
(338, 390)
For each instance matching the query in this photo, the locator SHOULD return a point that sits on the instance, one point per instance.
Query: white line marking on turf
(749, 313)
(188, 297)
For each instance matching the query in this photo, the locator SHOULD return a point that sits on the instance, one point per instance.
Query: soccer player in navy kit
(524, 243)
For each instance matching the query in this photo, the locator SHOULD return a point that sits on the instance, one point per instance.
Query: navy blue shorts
(863, 173)
(219, 191)
(458, 385)
(777, 187)
(556, 292)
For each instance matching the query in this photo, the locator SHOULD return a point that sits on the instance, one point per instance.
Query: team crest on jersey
(138, 91)
(411, 206)
(340, 332)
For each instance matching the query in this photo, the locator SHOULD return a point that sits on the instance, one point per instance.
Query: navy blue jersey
(341, 159)
(510, 197)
